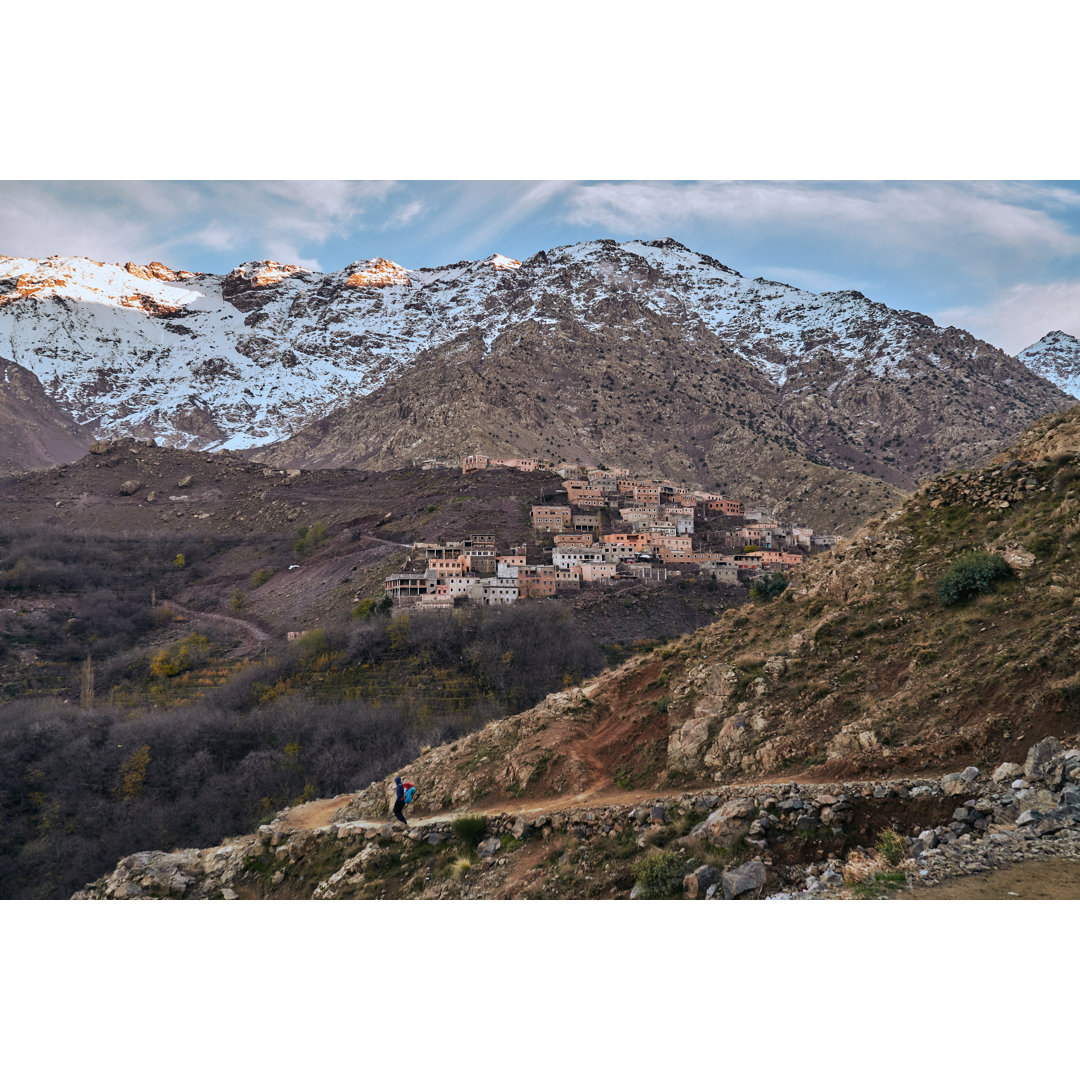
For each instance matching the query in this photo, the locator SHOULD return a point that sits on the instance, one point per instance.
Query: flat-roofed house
(597, 571)
(551, 519)
(536, 581)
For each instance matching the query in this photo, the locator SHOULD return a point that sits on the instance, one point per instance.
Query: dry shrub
(748, 660)
(861, 866)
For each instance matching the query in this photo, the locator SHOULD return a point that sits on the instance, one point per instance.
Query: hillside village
(603, 524)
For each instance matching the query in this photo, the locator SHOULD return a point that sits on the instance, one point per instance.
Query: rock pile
(997, 487)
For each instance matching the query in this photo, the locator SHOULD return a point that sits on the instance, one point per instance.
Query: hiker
(400, 801)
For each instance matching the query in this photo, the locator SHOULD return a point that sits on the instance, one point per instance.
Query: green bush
(470, 829)
(260, 577)
(181, 656)
(312, 645)
(971, 575)
(769, 587)
(660, 875)
(365, 609)
(310, 538)
(892, 847)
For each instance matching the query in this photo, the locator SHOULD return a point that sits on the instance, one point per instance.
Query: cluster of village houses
(655, 538)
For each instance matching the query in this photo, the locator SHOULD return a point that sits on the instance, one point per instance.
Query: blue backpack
(410, 791)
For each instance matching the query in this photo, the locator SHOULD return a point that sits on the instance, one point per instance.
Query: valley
(600, 541)
(895, 710)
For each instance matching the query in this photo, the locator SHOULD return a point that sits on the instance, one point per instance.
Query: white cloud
(143, 220)
(403, 215)
(284, 252)
(34, 223)
(526, 199)
(814, 280)
(965, 219)
(215, 237)
(1018, 316)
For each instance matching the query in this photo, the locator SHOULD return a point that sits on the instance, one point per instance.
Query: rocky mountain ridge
(1056, 358)
(248, 358)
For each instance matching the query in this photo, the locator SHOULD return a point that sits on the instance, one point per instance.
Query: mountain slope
(36, 431)
(635, 388)
(1056, 358)
(857, 670)
(248, 358)
(742, 735)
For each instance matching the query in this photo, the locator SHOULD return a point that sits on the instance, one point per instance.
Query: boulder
(1070, 796)
(129, 487)
(658, 815)
(954, 784)
(696, 884)
(184, 482)
(969, 774)
(486, 849)
(734, 808)
(723, 826)
(1040, 757)
(1006, 772)
(519, 830)
(743, 879)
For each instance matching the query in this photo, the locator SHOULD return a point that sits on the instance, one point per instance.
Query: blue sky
(999, 258)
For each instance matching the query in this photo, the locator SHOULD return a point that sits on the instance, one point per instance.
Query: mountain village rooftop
(650, 532)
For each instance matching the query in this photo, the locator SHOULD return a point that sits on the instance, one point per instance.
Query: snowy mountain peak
(83, 280)
(266, 272)
(157, 271)
(1056, 357)
(376, 274)
(243, 359)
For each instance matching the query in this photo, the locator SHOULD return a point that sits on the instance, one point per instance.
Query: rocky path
(319, 813)
(784, 840)
(383, 540)
(248, 629)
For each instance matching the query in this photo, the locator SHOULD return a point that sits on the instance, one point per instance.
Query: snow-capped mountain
(1056, 357)
(248, 358)
(237, 360)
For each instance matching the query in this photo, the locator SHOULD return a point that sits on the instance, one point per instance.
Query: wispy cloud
(119, 220)
(501, 206)
(814, 280)
(999, 221)
(34, 222)
(1018, 316)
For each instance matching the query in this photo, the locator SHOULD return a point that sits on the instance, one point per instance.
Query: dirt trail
(383, 540)
(245, 627)
(314, 815)
(1046, 879)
